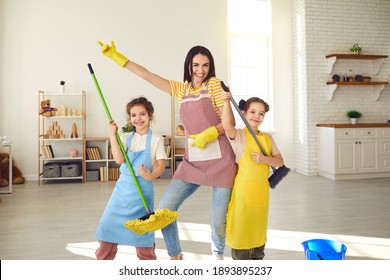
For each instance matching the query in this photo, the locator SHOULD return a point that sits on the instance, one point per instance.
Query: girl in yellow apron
(247, 217)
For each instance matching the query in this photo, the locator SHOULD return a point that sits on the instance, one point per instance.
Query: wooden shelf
(357, 83)
(373, 68)
(348, 125)
(377, 60)
(98, 158)
(356, 56)
(377, 87)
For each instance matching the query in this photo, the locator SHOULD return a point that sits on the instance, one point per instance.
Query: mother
(209, 159)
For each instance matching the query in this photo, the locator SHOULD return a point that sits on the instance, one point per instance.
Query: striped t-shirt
(180, 89)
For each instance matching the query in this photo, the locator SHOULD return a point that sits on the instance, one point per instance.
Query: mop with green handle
(152, 221)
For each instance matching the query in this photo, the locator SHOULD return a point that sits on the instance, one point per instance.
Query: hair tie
(241, 104)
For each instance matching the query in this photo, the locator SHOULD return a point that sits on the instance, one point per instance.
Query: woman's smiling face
(200, 69)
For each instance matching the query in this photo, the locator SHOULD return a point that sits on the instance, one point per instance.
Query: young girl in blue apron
(247, 217)
(208, 159)
(147, 156)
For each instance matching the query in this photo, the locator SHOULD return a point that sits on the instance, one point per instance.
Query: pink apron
(215, 165)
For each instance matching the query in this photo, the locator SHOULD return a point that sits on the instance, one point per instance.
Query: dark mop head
(278, 176)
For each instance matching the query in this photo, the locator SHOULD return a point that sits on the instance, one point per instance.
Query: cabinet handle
(346, 133)
(369, 132)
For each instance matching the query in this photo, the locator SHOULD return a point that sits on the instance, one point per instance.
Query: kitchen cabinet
(384, 149)
(353, 151)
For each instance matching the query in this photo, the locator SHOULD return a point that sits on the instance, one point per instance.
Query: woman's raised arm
(154, 79)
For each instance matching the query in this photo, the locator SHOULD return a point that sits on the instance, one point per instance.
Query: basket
(51, 170)
(70, 170)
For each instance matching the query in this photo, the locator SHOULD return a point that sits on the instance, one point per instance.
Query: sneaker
(177, 258)
(218, 257)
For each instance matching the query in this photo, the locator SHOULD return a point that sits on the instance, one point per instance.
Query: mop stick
(166, 216)
(278, 174)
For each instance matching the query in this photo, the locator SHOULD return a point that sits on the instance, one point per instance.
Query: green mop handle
(119, 140)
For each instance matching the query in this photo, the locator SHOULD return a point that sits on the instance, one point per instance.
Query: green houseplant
(356, 49)
(127, 128)
(354, 115)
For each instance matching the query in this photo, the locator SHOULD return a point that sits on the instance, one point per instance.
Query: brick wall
(333, 27)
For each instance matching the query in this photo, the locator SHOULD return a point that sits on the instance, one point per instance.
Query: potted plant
(354, 115)
(62, 87)
(356, 49)
(127, 128)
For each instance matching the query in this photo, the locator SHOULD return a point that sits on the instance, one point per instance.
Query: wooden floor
(58, 221)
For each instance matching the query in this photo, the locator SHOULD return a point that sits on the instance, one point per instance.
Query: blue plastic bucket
(323, 249)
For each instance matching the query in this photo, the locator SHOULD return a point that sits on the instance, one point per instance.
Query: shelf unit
(169, 160)
(98, 164)
(178, 141)
(73, 106)
(7, 144)
(372, 68)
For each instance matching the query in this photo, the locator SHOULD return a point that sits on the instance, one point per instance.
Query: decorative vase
(353, 120)
(62, 89)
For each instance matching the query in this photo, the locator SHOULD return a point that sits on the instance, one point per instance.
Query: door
(368, 156)
(346, 157)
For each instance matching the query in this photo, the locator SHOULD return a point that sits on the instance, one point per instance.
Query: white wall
(283, 79)
(45, 41)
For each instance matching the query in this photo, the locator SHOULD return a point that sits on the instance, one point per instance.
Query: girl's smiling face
(139, 118)
(255, 114)
(200, 69)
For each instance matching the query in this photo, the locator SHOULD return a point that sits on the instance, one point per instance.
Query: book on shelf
(102, 171)
(93, 153)
(167, 149)
(113, 173)
(47, 151)
(88, 156)
(43, 153)
(97, 153)
(88, 152)
(51, 151)
(110, 155)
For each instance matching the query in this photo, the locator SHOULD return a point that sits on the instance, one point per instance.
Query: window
(249, 35)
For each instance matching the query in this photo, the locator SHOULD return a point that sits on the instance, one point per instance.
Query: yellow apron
(247, 217)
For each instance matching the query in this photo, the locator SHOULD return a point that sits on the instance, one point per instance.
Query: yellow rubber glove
(112, 53)
(206, 136)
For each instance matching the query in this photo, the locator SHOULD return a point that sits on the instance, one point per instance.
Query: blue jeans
(174, 196)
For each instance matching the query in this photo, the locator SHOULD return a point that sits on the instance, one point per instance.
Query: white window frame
(250, 74)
